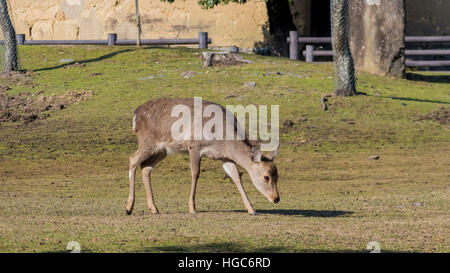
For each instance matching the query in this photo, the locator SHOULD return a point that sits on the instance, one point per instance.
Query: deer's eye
(266, 178)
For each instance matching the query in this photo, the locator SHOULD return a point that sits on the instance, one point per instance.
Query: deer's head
(264, 174)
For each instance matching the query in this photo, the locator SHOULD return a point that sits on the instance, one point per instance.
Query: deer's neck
(240, 154)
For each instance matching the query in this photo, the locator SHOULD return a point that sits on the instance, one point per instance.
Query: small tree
(344, 71)
(11, 61)
(138, 24)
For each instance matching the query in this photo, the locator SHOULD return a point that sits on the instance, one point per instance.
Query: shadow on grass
(212, 247)
(428, 78)
(233, 247)
(413, 99)
(417, 100)
(227, 247)
(305, 213)
(100, 58)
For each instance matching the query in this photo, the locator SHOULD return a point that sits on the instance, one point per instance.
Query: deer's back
(152, 122)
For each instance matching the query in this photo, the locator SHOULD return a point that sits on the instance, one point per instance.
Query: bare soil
(442, 116)
(28, 107)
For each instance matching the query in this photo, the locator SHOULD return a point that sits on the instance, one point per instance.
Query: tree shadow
(232, 247)
(228, 247)
(212, 248)
(416, 100)
(305, 213)
(100, 58)
(428, 78)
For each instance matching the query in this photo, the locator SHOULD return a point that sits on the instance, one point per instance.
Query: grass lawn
(65, 178)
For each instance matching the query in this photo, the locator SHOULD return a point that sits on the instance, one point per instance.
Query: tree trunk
(138, 24)
(280, 23)
(344, 71)
(10, 62)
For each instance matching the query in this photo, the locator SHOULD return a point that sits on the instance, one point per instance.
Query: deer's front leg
(232, 171)
(195, 159)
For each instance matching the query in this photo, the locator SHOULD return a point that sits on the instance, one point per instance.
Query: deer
(152, 122)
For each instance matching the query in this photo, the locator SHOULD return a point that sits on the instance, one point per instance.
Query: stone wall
(377, 36)
(233, 24)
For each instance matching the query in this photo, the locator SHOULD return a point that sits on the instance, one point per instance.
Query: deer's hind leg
(137, 158)
(147, 167)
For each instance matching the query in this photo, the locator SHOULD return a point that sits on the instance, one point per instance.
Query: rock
(187, 74)
(222, 58)
(417, 204)
(377, 36)
(74, 65)
(147, 78)
(232, 49)
(374, 157)
(288, 123)
(250, 84)
(66, 60)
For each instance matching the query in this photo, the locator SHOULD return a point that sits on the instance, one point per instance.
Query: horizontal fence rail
(112, 40)
(309, 53)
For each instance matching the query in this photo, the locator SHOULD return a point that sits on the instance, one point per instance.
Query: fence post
(309, 53)
(293, 45)
(203, 40)
(112, 38)
(20, 39)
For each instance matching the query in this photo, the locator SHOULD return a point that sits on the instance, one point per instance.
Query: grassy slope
(65, 178)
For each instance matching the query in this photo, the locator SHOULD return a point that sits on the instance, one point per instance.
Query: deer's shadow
(304, 213)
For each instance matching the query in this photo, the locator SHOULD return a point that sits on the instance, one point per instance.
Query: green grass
(65, 178)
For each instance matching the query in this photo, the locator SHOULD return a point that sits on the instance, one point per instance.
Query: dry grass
(65, 178)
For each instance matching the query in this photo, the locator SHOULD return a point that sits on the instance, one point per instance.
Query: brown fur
(152, 125)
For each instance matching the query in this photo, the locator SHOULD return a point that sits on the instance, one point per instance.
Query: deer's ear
(271, 156)
(256, 154)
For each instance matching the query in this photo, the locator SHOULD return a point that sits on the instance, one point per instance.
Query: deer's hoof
(253, 213)
(155, 212)
(193, 212)
(128, 212)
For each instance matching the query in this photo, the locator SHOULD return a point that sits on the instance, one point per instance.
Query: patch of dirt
(222, 58)
(75, 65)
(15, 77)
(442, 116)
(29, 107)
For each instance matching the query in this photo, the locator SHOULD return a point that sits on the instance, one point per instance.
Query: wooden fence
(112, 40)
(309, 53)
